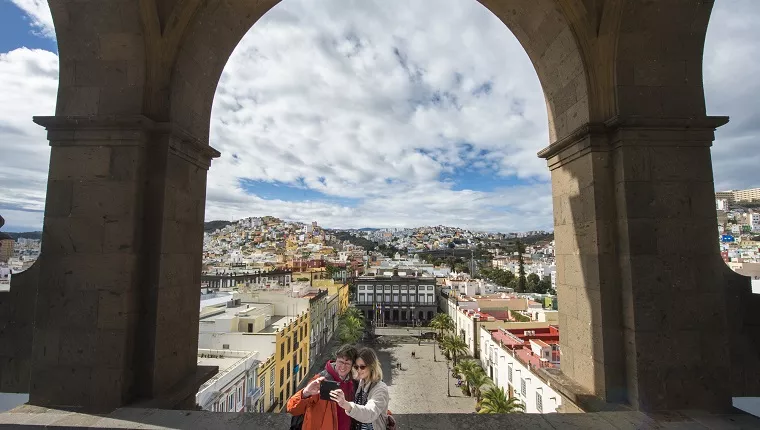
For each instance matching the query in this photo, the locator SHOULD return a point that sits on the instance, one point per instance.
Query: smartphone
(325, 387)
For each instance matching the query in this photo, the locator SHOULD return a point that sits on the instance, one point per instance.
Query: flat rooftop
(278, 322)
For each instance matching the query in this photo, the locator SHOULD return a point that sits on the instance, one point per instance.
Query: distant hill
(26, 235)
(211, 226)
(369, 229)
(368, 245)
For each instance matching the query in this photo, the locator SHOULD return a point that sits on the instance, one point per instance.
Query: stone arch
(540, 26)
(630, 169)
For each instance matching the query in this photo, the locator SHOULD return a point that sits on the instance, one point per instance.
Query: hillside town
(277, 296)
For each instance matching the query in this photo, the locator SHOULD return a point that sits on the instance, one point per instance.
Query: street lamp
(448, 388)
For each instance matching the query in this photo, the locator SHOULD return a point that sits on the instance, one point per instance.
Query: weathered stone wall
(744, 334)
(16, 330)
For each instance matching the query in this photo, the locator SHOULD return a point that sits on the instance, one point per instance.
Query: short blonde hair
(369, 357)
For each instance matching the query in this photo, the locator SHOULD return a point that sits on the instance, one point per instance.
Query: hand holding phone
(325, 387)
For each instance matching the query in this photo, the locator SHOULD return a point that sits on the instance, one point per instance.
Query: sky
(371, 113)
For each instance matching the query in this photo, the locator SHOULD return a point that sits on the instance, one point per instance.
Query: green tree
(521, 281)
(442, 323)
(464, 368)
(495, 401)
(476, 379)
(350, 325)
(454, 347)
(532, 282)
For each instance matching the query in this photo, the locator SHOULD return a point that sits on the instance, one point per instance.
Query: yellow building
(342, 291)
(291, 360)
(267, 381)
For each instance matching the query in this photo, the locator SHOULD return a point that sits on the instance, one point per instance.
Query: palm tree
(475, 380)
(495, 401)
(464, 367)
(454, 346)
(442, 323)
(351, 325)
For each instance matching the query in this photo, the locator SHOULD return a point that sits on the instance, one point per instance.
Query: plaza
(419, 387)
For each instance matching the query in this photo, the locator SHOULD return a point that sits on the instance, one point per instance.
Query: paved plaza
(420, 385)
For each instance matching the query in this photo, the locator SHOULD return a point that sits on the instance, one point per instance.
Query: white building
(511, 361)
(233, 388)
(754, 221)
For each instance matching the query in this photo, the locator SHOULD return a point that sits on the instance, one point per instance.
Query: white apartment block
(234, 388)
(518, 379)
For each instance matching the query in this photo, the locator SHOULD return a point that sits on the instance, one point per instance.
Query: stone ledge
(577, 395)
(181, 394)
(32, 417)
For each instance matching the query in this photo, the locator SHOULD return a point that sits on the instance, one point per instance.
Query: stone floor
(31, 417)
(419, 387)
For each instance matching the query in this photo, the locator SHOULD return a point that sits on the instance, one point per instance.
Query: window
(379, 298)
(430, 287)
(271, 377)
(280, 397)
(403, 298)
(430, 298)
(262, 382)
(523, 389)
(361, 287)
(282, 351)
(295, 342)
(395, 298)
(395, 288)
(286, 341)
(539, 403)
(230, 399)
(288, 367)
(361, 298)
(225, 346)
(220, 408)
(387, 298)
(271, 396)
(282, 376)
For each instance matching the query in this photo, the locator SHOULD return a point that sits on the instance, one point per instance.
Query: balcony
(132, 418)
(254, 394)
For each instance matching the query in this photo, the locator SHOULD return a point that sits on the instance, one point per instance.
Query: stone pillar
(642, 312)
(120, 191)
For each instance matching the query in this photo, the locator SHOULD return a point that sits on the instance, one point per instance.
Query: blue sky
(381, 114)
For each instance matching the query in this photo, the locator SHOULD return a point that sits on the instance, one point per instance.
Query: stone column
(120, 191)
(642, 313)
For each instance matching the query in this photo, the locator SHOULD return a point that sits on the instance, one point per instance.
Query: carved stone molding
(125, 130)
(632, 130)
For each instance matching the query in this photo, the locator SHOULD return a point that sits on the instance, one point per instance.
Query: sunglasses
(360, 366)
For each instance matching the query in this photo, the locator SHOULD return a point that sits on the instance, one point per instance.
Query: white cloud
(370, 102)
(28, 84)
(316, 96)
(38, 12)
(732, 87)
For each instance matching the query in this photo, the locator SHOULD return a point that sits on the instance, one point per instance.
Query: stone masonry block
(631, 163)
(120, 236)
(121, 46)
(73, 163)
(58, 201)
(105, 199)
(78, 101)
(681, 164)
(127, 163)
(78, 348)
(113, 348)
(114, 309)
(74, 310)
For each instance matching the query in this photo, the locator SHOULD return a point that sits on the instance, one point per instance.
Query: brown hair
(369, 357)
(347, 352)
